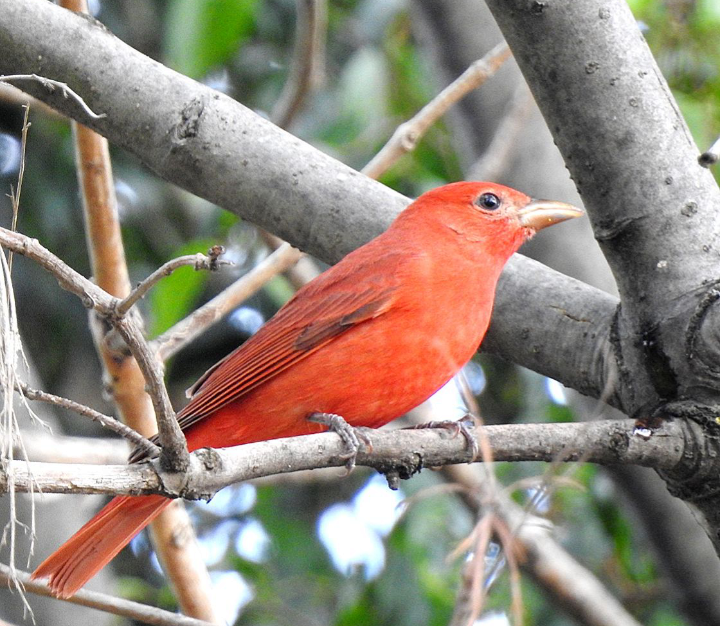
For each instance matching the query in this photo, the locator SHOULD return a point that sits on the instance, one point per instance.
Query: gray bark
(455, 33)
(211, 145)
(651, 205)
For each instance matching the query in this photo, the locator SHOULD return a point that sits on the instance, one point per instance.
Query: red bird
(368, 340)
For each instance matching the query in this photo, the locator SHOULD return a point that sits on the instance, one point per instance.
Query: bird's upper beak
(539, 214)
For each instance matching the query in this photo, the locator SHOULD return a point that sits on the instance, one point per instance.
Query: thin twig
(182, 333)
(51, 85)
(106, 421)
(302, 272)
(209, 261)
(174, 456)
(308, 60)
(711, 155)
(494, 160)
(408, 134)
(15, 193)
(102, 602)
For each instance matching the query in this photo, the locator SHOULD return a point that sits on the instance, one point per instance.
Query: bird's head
(494, 216)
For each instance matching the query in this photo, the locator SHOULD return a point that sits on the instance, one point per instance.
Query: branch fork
(174, 455)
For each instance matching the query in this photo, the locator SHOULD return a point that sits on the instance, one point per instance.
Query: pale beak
(539, 214)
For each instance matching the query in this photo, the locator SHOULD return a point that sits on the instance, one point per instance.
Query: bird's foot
(459, 427)
(352, 437)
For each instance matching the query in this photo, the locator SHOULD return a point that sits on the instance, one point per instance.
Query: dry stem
(103, 602)
(187, 329)
(408, 134)
(106, 421)
(51, 85)
(199, 261)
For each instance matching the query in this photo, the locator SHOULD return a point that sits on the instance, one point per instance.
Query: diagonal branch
(103, 602)
(408, 134)
(106, 421)
(187, 329)
(288, 187)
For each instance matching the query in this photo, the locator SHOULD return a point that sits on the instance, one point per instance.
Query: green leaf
(201, 35)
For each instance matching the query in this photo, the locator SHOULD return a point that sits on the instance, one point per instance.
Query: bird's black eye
(488, 201)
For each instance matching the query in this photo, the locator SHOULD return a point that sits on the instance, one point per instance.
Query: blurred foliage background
(339, 551)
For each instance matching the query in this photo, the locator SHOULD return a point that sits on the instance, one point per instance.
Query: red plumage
(369, 339)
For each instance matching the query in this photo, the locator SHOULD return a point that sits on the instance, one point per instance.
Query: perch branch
(402, 452)
(408, 134)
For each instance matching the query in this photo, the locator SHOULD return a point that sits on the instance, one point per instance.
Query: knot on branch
(401, 468)
(697, 476)
(184, 484)
(213, 258)
(702, 337)
(189, 124)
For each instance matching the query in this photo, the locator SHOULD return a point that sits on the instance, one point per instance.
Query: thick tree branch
(399, 453)
(218, 149)
(631, 155)
(652, 205)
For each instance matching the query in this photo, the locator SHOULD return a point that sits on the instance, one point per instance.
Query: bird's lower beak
(539, 214)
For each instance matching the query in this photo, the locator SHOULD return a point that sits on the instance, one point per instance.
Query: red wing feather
(286, 339)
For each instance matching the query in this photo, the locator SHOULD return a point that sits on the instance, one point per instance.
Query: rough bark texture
(630, 153)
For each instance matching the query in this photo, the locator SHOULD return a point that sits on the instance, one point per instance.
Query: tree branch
(308, 59)
(187, 329)
(630, 153)
(399, 453)
(106, 421)
(199, 261)
(253, 169)
(102, 602)
(174, 450)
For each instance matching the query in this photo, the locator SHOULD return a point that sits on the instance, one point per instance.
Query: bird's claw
(459, 427)
(352, 437)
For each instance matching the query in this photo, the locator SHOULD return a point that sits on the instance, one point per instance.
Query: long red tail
(95, 544)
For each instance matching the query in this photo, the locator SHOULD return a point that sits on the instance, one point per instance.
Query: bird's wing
(325, 309)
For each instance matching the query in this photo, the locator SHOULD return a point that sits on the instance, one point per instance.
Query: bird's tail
(95, 544)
